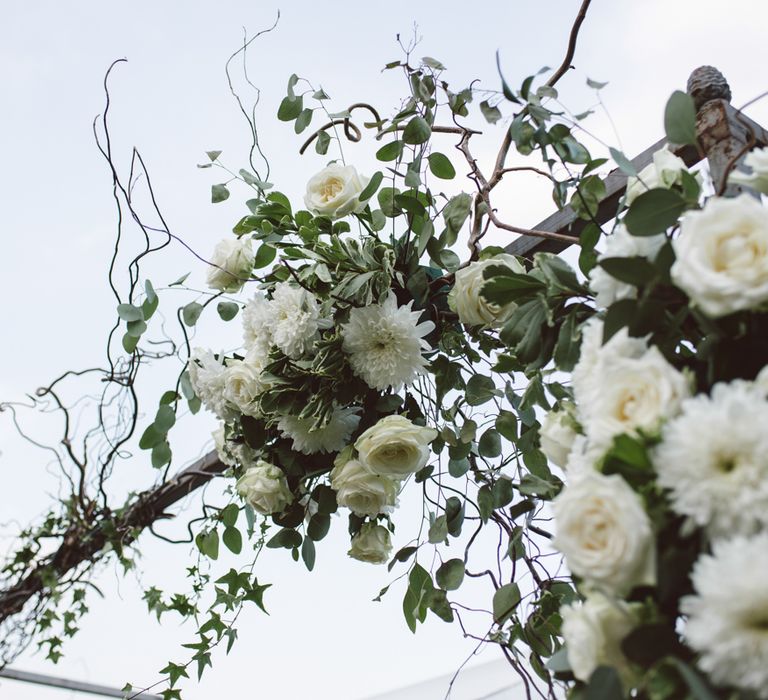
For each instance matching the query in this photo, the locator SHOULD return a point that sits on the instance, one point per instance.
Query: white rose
(232, 260)
(665, 171)
(604, 532)
(623, 387)
(371, 544)
(465, 297)
(394, 447)
(265, 488)
(360, 491)
(334, 191)
(621, 244)
(556, 437)
(722, 255)
(593, 631)
(758, 178)
(243, 384)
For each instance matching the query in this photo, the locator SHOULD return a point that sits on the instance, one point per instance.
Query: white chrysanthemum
(385, 342)
(331, 437)
(208, 378)
(604, 532)
(295, 319)
(722, 255)
(621, 244)
(714, 459)
(624, 387)
(257, 325)
(758, 178)
(728, 617)
(593, 631)
(232, 260)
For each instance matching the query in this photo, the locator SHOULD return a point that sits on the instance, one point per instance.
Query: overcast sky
(324, 638)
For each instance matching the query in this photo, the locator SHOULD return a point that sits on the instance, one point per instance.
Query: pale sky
(324, 638)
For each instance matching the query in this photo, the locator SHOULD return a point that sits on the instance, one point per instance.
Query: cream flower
(714, 459)
(334, 191)
(330, 437)
(604, 532)
(243, 384)
(295, 319)
(621, 244)
(556, 437)
(265, 488)
(208, 378)
(466, 297)
(625, 387)
(385, 342)
(395, 447)
(758, 178)
(593, 631)
(722, 255)
(371, 544)
(728, 617)
(361, 491)
(665, 171)
(232, 260)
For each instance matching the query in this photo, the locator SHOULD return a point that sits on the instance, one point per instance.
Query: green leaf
(219, 193)
(454, 515)
(441, 167)
(480, 389)
(433, 63)
(450, 574)
(229, 514)
(287, 538)
(227, 310)
(415, 602)
(568, 344)
(604, 684)
(505, 600)
(129, 312)
(402, 555)
(680, 119)
(233, 540)
(458, 467)
(370, 189)
(485, 503)
(636, 270)
(506, 424)
(264, 256)
(213, 155)
(594, 84)
(322, 143)
(165, 419)
(417, 131)
(135, 328)
(151, 301)
(646, 644)
(161, 454)
(290, 108)
(625, 164)
(390, 151)
(303, 120)
(503, 492)
(654, 212)
(449, 260)
(179, 281)
(696, 684)
(208, 543)
(455, 214)
(490, 443)
(492, 114)
(318, 527)
(191, 312)
(308, 553)
(438, 531)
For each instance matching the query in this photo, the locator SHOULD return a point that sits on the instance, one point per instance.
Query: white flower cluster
(367, 476)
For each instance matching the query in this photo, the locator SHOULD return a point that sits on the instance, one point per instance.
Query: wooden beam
(66, 684)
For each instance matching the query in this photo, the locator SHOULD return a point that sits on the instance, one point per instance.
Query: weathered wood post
(725, 135)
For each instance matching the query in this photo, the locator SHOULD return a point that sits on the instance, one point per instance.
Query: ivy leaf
(680, 119)
(492, 114)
